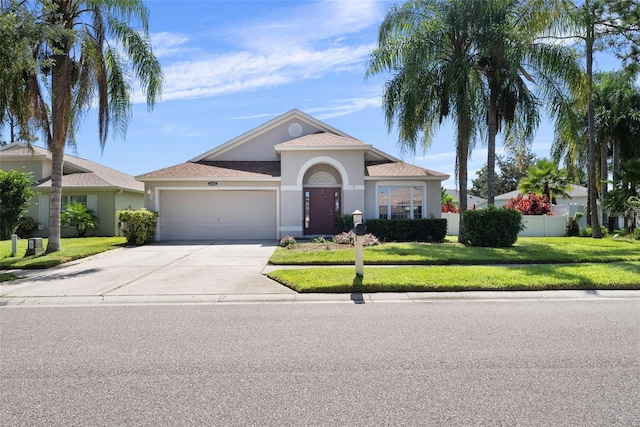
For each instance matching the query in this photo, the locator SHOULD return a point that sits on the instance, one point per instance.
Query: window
(395, 202)
(66, 200)
(90, 201)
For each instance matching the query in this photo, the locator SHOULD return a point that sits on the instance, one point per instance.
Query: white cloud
(344, 107)
(243, 71)
(308, 42)
(167, 44)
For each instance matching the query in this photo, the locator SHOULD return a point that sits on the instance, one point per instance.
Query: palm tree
(92, 49)
(545, 178)
(426, 45)
(512, 57)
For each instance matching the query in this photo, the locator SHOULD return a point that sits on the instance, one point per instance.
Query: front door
(321, 208)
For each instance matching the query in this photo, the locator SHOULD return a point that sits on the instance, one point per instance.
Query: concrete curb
(357, 298)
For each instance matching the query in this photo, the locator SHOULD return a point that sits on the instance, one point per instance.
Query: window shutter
(43, 210)
(92, 203)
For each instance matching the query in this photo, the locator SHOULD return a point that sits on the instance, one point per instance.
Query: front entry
(321, 208)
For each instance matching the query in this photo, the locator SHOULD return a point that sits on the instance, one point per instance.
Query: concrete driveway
(189, 269)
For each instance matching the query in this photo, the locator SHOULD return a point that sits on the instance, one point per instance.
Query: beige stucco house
(290, 176)
(98, 187)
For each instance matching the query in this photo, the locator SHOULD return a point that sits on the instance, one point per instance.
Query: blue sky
(230, 66)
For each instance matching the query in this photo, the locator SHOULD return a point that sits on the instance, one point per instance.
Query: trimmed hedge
(139, 226)
(408, 230)
(492, 227)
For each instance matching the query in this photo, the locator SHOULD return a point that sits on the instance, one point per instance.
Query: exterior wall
(108, 202)
(27, 166)
(298, 165)
(261, 148)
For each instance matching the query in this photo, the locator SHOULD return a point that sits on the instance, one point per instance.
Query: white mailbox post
(359, 232)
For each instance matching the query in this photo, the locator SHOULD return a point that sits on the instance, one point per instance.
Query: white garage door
(220, 214)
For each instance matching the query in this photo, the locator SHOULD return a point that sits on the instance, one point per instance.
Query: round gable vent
(295, 130)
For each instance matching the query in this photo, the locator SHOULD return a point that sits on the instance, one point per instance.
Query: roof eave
(206, 178)
(406, 177)
(359, 147)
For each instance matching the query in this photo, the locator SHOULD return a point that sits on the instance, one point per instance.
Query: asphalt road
(540, 363)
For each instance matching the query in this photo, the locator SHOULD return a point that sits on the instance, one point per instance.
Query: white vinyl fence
(535, 225)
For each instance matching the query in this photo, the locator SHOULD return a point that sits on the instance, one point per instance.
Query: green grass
(619, 275)
(72, 249)
(527, 250)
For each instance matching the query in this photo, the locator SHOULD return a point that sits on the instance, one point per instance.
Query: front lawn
(619, 275)
(72, 249)
(527, 250)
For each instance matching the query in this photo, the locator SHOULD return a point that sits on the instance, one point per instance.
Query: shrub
(79, 216)
(15, 194)
(573, 229)
(344, 223)
(408, 230)
(320, 239)
(349, 238)
(139, 226)
(532, 204)
(287, 241)
(492, 227)
(449, 207)
(26, 225)
(588, 231)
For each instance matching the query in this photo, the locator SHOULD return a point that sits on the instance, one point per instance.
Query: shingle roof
(321, 139)
(218, 169)
(91, 175)
(399, 169)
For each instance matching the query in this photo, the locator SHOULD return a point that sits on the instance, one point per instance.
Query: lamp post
(359, 232)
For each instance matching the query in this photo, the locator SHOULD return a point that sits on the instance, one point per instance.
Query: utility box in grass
(34, 246)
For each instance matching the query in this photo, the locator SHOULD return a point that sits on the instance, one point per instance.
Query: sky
(230, 66)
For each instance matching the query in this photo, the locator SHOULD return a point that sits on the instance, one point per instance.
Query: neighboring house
(98, 187)
(578, 196)
(472, 201)
(290, 176)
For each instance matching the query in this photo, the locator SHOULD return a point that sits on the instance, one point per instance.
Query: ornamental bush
(139, 226)
(492, 227)
(408, 230)
(287, 241)
(531, 204)
(79, 216)
(349, 238)
(15, 197)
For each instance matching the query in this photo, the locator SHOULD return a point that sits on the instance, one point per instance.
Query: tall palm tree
(426, 45)
(92, 51)
(520, 68)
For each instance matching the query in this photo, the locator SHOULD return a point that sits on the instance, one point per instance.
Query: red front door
(321, 208)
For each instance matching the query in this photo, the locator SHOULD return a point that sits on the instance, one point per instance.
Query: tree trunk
(492, 124)
(596, 233)
(462, 183)
(60, 114)
(604, 172)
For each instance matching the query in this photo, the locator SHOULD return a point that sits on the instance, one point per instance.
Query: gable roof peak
(276, 121)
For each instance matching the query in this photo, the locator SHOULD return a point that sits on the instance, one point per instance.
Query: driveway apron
(172, 268)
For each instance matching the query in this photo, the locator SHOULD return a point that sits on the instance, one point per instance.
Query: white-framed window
(401, 200)
(90, 201)
(67, 200)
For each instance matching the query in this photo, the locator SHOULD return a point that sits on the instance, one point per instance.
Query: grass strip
(620, 275)
(527, 250)
(72, 249)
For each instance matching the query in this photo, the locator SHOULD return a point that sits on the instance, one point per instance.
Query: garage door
(221, 214)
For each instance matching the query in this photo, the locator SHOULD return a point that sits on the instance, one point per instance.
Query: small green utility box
(34, 246)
